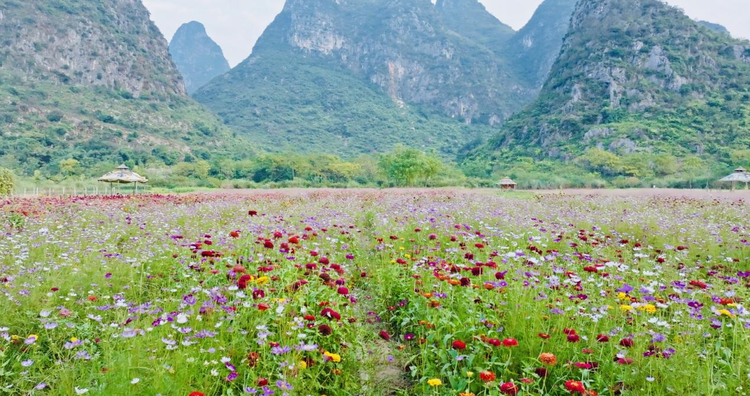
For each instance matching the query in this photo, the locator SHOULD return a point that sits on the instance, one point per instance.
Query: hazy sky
(237, 24)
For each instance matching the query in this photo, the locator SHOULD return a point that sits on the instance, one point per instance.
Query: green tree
(70, 167)
(405, 166)
(7, 181)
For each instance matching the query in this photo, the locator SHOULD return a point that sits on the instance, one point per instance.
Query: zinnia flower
(509, 388)
(458, 345)
(487, 376)
(548, 359)
(510, 342)
(575, 387)
(434, 382)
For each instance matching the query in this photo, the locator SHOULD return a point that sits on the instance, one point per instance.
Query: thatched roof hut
(123, 175)
(507, 184)
(740, 175)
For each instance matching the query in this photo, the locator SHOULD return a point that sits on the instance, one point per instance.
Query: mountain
(353, 76)
(471, 19)
(715, 27)
(634, 80)
(197, 56)
(93, 80)
(535, 47)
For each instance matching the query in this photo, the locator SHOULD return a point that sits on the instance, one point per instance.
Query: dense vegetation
(637, 93)
(93, 81)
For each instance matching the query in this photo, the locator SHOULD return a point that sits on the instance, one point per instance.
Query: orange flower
(487, 376)
(548, 359)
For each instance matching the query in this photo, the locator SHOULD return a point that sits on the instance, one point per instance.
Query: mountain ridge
(198, 58)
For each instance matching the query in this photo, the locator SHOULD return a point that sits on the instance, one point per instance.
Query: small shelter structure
(507, 184)
(123, 175)
(740, 175)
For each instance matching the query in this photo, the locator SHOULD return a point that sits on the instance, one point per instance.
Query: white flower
(80, 391)
(135, 381)
(182, 318)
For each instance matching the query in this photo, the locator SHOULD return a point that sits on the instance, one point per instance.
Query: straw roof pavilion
(123, 175)
(507, 184)
(740, 175)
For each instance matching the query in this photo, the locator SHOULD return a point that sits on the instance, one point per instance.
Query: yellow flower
(333, 356)
(626, 308)
(407, 255)
(401, 248)
(302, 364)
(262, 280)
(434, 382)
(73, 339)
(469, 374)
(726, 313)
(622, 296)
(650, 308)
(34, 336)
(466, 394)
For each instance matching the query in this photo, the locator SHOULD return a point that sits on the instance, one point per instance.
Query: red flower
(459, 345)
(257, 294)
(263, 306)
(543, 336)
(602, 338)
(262, 382)
(510, 342)
(242, 282)
(487, 376)
(494, 342)
(575, 387)
(325, 329)
(234, 234)
(343, 291)
(627, 342)
(294, 240)
(252, 212)
(268, 244)
(509, 388)
(330, 314)
(698, 284)
(384, 335)
(573, 337)
(196, 394)
(542, 372)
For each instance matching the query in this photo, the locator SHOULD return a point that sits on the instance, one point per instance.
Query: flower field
(374, 293)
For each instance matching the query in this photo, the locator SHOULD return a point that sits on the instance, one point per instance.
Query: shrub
(7, 182)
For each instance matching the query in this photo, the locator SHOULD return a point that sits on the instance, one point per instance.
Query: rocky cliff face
(109, 43)
(535, 47)
(198, 58)
(399, 49)
(92, 79)
(637, 76)
(471, 19)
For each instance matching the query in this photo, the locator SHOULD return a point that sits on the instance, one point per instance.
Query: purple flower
(626, 288)
(27, 363)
